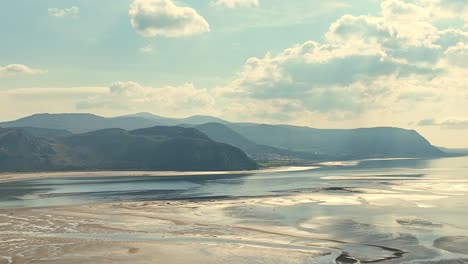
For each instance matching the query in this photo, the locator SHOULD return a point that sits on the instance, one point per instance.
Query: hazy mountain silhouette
(79, 123)
(192, 120)
(345, 143)
(260, 141)
(155, 148)
(224, 134)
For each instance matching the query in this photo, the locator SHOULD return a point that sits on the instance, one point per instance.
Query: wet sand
(229, 231)
(156, 232)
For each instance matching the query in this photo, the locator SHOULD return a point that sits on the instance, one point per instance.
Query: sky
(323, 64)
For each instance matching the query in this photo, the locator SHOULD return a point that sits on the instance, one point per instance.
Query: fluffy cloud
(64, 12)
(17, 69)
(153, 18)
(395, 60)
(237, 3)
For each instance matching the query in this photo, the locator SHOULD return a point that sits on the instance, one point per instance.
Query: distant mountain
(224, 134)
(200, 119)
(79, 123)
(221, 133)
(341, 143)
(193, 120)
(164, 121)
(155, 148)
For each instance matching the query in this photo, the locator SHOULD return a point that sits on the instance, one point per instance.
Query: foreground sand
(155, 232)
(229, 231)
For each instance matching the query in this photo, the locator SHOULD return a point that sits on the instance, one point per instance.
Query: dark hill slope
(222, 133)
(46, 132)
(20, 150)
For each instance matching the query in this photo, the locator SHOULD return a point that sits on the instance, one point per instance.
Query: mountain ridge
(262, 141)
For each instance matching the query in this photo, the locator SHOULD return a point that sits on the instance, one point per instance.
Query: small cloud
(16, 69)
(146, 49)
(338, 5)
(237, 3)
(427, 122)
(152, 18)
(453, 123)
(64, 12)
(57, 91)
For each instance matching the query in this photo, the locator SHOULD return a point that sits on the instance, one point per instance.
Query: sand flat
(230, 231)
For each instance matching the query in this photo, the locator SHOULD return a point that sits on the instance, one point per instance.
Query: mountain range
(261, 142)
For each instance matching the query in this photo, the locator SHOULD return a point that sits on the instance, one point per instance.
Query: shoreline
(21, 176)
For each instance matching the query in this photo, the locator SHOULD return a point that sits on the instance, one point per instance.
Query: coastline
(21, 176)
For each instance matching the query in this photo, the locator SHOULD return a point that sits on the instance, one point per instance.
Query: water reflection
(403, 175)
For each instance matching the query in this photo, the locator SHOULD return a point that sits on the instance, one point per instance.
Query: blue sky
(100, 38)
(315, 63)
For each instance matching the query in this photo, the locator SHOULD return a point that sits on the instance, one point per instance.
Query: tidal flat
(392, 211)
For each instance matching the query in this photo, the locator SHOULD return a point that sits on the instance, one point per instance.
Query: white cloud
(237, 3)
(369, 67)
(152, 18)
(410, 22)
(17, 69)
(146, 49)
(64, 12)
(458, 55)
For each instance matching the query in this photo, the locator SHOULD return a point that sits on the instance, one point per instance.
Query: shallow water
(440, 176)
(379, 210)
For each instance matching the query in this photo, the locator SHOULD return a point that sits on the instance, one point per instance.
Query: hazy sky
(326, 64)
